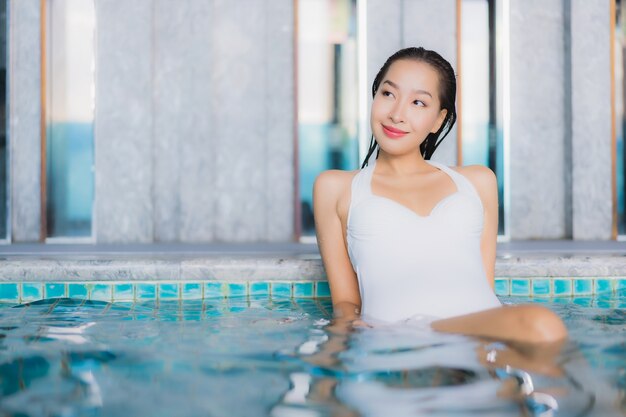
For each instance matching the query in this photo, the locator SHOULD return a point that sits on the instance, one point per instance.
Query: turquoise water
(281, 357)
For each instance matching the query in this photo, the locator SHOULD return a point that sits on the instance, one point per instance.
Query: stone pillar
(591, 120)
(184, 160)
(539, 168)
(253, 116)
(124, 121)
(238, 107)
(396, 24)
(25, 119)
(280, 115)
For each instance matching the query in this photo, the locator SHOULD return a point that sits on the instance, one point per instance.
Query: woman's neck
(400, 165)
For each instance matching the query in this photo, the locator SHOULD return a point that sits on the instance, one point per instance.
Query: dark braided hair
(447, 95)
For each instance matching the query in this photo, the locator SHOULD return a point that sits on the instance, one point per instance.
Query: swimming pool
(278, 356)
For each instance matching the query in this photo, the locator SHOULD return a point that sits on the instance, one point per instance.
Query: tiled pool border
(26, 291)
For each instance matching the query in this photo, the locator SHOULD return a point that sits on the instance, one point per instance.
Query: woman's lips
(393, 133)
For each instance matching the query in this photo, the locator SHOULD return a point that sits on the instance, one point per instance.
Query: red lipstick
(393, 133)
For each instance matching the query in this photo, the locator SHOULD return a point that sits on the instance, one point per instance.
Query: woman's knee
(541, 324)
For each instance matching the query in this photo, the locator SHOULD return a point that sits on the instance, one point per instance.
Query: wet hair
(447, 95)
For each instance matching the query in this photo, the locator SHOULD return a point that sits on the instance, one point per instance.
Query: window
(327, 95)
(69, 138)
(482, 93)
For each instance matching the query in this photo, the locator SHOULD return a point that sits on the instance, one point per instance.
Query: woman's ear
(440, 119)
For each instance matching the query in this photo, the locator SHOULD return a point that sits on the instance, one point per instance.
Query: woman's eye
(387, 94)
(419, 103)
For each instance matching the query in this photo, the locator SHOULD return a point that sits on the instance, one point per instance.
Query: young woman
(406, 236)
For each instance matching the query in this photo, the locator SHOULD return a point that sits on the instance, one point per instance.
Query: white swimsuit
(410, 265)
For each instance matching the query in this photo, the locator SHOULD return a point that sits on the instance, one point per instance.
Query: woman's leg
(527, 323)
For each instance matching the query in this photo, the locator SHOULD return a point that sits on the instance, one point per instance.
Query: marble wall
(195, 115)
(592, 200)
(539, 145)
(560, 144)
(124, 121)
(195, 121)
(24, 120)
(397, 24)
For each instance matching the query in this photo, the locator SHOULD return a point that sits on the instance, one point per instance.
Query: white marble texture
(124, 121)
(184, 159)
(24, 120)
(280, 121)
(238, 107)
(538, 167)
(592, 206)
(396, 24)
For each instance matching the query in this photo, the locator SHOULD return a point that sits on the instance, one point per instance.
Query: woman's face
(406, 107)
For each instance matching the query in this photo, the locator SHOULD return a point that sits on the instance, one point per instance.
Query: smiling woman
(407, 238)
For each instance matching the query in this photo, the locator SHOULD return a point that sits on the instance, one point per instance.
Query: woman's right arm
(344, 288)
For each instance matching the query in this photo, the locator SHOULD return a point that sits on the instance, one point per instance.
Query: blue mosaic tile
(32, 291)
(123, 292)
(502, 287)
(191, 291)
(583, 286)
(168, 291)
(101, 292)
(77, 290)
(520, 287)
(603, 303)
(259, 288)
(145, 291)
(54, 290)
(604, 286)
(620, 284)
(237, 289)
(213, 289)
(322, 289)
(562, 287)
(303, 289)
(541, 287)
(281, 289)
(9, 292)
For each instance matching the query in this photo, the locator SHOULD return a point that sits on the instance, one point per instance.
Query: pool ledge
(268, 262)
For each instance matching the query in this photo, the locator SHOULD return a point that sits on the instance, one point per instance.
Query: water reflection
(231, 357)
(408, 370)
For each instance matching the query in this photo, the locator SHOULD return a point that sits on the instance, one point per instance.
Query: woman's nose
(395, 115)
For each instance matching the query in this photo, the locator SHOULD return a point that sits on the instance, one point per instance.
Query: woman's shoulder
(334, 181)
(477, 173)
(481, 177)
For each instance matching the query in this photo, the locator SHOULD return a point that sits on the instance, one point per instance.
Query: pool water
(284, 357)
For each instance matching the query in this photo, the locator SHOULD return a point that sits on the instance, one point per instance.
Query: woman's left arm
(487, 186)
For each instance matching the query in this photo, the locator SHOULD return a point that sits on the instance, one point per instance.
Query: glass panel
(70, 88)
(620, 119)
(481, 131)
(327, 94)
(475, 94)
(3, 122)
